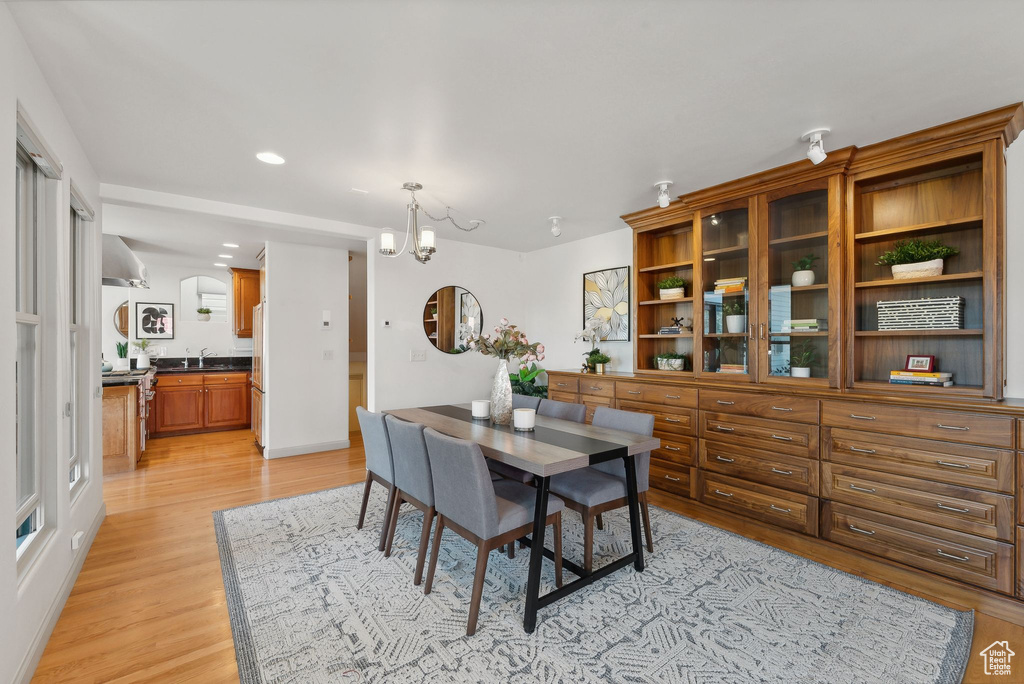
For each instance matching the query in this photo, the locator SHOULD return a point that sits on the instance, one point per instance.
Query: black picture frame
(628, 301)
(147, 321)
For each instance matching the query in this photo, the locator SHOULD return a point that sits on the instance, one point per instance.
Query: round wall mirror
(121, 320)
(450, 317)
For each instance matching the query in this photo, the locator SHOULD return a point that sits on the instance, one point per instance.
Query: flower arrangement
(142, 345)
(508, 342)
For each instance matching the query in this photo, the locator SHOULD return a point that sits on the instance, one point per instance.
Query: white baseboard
(283, 452)
(28, 665)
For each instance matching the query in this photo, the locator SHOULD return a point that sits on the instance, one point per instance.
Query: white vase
(803, 278)
(142, 361)
(122, 364)
(924, 269)
(736, 324)
(672, 293)
(800, 372)
(203, 317)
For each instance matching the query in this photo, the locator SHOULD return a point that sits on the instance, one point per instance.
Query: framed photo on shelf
(920, 364)
(154, 321)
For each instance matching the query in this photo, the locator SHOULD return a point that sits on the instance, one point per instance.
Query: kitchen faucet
(203, 355)
(187, 350)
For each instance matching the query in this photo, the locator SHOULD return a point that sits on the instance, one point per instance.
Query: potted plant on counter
(508, 342)
(803, 274)
(672, 287)
(801, 360)
(592, 334)
(142, 359)
(735, 316)
(597, 361)
(916, 258)
(204, 313)
(672, 361)
(122, 363)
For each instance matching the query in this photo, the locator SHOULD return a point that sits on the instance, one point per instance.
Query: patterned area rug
(312, 600)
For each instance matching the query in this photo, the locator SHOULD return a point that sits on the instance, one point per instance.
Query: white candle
(481, 408)
(524, 418)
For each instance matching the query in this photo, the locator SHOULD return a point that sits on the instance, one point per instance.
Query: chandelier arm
(405, 244)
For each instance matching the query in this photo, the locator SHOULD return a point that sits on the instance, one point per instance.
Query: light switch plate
(418, 355)
(328, 354)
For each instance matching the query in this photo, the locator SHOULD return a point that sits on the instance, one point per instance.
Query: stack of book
(670, 330)
(905, 377)
(805, 325)
(727, 285)
(732, 368)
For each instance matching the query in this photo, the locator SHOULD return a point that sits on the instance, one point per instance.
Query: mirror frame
(127, 323)
(432, 297)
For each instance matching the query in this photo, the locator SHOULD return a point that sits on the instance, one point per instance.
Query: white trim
(42, 155)
(35, 653)
(81, 205)
(284, 452)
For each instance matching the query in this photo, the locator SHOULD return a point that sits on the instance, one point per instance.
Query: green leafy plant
(204, 310)
(805, 263)
(803, 355)
(526, 381)
(733, 308)
(597, 358)
(141, 345)
(433, 311)
(122, 350)
(671, 356)
(671, 283)
(915, 251)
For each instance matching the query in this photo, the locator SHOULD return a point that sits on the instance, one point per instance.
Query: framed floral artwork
(154, 321)
(606, 297)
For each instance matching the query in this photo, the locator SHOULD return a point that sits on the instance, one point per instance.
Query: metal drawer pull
(723, 459)
(563, 384)
(857, 529)
(633, 392)
(781, 408)
(953, 465)
(672, 420)
(862, 489)
(671, 448)
(595, 387)
(780, 510)
(784, 439)
(674, 479)
(782, 472)
(725, 403)
(672, 396)
(862, 451)
(854, 415)
(721, 493)
(952, 508)
(952, 427)
(962, 559)
(724, 429)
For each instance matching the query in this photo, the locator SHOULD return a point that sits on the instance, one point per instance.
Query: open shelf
(817, 287)
(658, 302)
(945, 277)
(739, 334)
(879, 386)
(655, 336)
(919, 333)
(666, 267)
(799, 238)
(888, 233)
(816, 333)
(726, 251)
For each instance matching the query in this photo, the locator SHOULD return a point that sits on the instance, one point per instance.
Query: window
(73, 416)
(28, 468)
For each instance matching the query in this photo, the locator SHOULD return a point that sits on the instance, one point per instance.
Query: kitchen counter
(132, 377)
(207, 369)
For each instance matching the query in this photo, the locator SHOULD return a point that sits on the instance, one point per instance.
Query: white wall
(29, 607)
(306, 396)
(401, 287)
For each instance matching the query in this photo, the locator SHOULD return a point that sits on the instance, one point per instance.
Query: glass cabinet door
(728, 308)
(795, 327)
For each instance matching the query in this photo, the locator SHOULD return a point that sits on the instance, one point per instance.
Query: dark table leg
(634, 513)
(537, 551)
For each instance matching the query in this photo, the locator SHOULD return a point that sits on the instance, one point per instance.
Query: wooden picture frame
(920, 363)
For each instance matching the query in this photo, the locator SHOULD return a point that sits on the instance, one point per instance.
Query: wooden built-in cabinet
(122, 441)
(246, 284)
(201, 402)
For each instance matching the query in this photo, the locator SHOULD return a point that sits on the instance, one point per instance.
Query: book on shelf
(731, 281)
(670, 331)
(805, 325)
(920, 383)
(732, 368)
(729, 290)
(920, 375)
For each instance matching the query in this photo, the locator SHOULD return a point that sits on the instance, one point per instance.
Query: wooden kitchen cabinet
(246, 288)
(201, 402)
(178, 408)
(226, 406)
(121, 440)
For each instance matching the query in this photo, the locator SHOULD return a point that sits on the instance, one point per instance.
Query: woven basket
(940, 313)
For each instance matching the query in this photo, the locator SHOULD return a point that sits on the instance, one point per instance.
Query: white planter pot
(122, 364)
(672, 293)
(803, 278)
(203, 317)
(800, 372)
(142, 361)
(736, 324)
(921, 270)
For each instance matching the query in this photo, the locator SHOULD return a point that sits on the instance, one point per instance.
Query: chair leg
(512, 550)
(600, 522)
(478, 588)
(558, 549)
(433, 554)
(588, 542)
(421, 555)
(392, 493)
(393, 520)
(366, 500)
(646, 511)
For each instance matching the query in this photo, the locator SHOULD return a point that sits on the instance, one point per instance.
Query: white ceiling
(509, 111)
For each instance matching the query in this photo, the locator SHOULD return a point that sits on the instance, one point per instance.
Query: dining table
(553, 447)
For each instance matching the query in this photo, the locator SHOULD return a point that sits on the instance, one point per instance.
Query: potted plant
(672, 287)
(672, 361)
(508, 342)
(801, 358)
(204, 313)
(142, 359)
(597, 361)
(592, 334)
(525, 382)
(433, 312)
(802, 273)
(916, 258)
(735, 316)
(122, 363)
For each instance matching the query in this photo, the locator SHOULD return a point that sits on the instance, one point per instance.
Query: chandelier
(423, 240)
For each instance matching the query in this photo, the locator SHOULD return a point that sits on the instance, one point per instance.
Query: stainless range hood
(121, 268)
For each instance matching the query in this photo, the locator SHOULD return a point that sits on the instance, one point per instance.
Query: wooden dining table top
(554, 446)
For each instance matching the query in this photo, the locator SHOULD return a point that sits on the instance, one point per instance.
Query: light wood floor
(149, 604)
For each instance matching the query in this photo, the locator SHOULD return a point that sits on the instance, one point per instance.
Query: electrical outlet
(418, 355)
(328, 354)
(385, 323)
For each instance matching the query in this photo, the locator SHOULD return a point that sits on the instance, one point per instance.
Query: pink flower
(524, 340)
(540, 358)
(540, 348)
(531, 357)
(504, 321)
(487, 337)
(522, 366)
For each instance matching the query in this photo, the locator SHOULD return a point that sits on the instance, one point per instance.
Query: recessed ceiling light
(221, 265)
(231, 245)
(270, 158)
(225, 256)
(359, 191)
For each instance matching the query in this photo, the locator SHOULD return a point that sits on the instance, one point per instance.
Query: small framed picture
(921, 364)
(154, 321)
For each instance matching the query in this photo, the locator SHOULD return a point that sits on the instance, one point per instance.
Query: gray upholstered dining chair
(488, 514)
(602, 487)
(523, 401)
(562, 409)
(380, 466)
(413, 483)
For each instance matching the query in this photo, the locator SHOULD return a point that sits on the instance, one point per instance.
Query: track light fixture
(556, 229)
(816, 152)
(663, 198)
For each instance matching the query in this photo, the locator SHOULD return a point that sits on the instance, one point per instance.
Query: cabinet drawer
(963, 557)
(183, 380)
(225, 378)
(592, 403)
(671, 479)
(597, 388)
(563, 396)
(789, 472)
(794, 439)
(951, 426)
(958, 464)
(776, 506)
(677, 451)
(957, 508)
(668, 421)
(656, 394)
(777, 406)
(564, 383)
